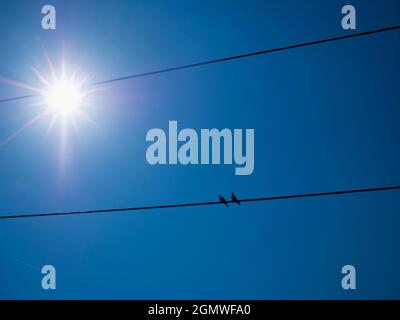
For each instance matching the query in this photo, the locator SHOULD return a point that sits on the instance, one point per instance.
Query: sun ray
(50, 65)
(74, 125)
(51, 124)
(25, 126)
(41, 77)
(21, 85)
(87, 117)
(84, 79)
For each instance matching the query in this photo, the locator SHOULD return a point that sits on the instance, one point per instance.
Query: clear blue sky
(325, 118)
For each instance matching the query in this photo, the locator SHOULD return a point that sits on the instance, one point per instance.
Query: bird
(234, 199)
(222, 200)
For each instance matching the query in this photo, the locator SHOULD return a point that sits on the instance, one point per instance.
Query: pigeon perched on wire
(222, 200)
(235, 199)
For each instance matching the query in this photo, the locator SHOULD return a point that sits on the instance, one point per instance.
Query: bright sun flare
(63, 97)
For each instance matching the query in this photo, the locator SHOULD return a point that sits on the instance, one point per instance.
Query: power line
(18, 98)
(251, 54)
(246, 55)
(197, 204)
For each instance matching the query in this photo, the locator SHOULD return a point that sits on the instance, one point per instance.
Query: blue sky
(325, 118)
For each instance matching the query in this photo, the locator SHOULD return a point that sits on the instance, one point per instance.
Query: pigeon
(234, 199)
(222, 200)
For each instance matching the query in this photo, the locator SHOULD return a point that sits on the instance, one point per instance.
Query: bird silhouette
(222, 200)
(234, 199)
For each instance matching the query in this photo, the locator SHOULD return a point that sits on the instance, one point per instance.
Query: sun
(64, 97)
(63, 94)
